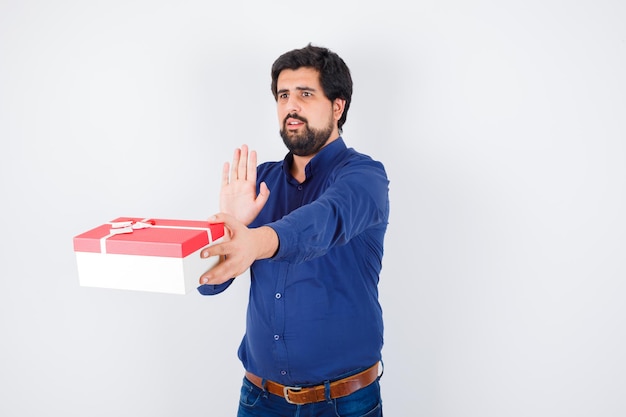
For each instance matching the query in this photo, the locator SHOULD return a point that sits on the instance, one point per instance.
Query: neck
(300, 162)
(298, 165)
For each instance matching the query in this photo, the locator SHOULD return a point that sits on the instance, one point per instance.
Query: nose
(292, 105)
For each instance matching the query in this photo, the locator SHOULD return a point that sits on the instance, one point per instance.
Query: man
(314, 246)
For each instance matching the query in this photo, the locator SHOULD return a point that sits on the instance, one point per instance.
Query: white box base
(142, 273)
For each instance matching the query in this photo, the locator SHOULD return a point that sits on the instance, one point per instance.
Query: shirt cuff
(208, 289)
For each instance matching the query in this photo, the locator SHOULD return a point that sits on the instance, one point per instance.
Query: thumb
(264, 194)
(220, 218)
(230, 222)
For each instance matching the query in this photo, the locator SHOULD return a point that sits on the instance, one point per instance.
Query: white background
(502, 125)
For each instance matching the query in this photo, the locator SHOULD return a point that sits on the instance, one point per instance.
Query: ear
(339, 105)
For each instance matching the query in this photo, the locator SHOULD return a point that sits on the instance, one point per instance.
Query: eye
(283, 96)
(306, 94)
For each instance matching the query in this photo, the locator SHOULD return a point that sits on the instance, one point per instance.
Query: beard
(309, 141)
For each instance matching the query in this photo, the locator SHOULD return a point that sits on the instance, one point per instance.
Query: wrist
(268, 242)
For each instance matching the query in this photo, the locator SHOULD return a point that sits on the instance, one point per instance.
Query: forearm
(335, 218)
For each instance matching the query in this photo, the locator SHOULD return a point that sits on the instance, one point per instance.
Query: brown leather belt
(306, 395)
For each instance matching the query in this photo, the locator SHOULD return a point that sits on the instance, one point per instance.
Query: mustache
(295, 116)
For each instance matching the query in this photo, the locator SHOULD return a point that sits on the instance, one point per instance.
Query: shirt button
(276, 337)
(283, 372)
(299, 188)
(278, 295)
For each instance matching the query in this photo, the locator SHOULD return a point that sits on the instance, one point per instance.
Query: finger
(218, 249)
(220, 273)
(223, 248)
(225, 169)
(243, 163)
(211, 276)
(252, 167)
(202, 279)
(235, 164)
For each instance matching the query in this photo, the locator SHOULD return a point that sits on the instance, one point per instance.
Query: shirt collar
(321, 161)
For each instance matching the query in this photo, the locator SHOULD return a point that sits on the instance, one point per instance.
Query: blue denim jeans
(255, 402)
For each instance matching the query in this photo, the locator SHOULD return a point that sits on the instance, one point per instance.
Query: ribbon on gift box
(129, 226)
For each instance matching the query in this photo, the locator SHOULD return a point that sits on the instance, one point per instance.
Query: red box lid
(166, 237)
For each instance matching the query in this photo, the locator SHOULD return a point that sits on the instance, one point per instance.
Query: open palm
(238, 195)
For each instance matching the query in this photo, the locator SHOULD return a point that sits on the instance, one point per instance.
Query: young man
(311, 230)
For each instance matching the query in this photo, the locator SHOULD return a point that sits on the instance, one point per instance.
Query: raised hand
(238, 195)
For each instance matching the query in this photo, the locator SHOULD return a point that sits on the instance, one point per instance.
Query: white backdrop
(502, 127)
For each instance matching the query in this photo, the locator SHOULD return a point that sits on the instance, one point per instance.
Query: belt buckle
(286, 393)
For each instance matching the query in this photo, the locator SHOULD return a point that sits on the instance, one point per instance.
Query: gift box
(158, 255)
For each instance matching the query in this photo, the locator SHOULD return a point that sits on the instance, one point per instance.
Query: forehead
(289, 79)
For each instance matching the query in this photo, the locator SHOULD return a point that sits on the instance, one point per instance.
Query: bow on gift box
(130, 226)
(127, 226)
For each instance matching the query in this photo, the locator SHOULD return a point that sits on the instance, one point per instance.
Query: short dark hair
(335, 76)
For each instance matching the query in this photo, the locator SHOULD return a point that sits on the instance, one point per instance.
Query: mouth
(293, 124)
(294, 121)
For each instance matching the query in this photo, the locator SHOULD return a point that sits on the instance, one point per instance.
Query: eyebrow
(304, 88)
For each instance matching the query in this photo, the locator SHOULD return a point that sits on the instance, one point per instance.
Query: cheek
(281, 112)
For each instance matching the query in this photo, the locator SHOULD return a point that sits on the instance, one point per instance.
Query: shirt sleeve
(356, 200)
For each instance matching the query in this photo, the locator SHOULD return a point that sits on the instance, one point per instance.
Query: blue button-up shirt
(313, 313)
